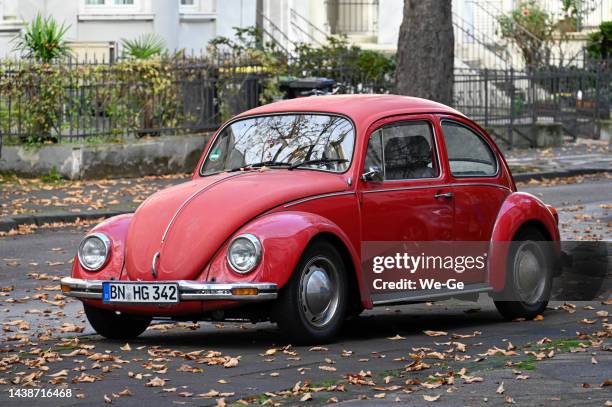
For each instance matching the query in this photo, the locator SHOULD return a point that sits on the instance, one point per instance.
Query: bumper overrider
(188, 290)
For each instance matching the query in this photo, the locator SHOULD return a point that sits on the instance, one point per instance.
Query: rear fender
(518, 209)
(284, 237)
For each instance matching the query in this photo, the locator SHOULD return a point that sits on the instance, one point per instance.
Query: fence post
(511, 121)
(598, 82)
(534, 117)
(486, 97)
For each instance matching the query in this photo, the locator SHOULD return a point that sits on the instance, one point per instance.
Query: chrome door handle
(446, 195)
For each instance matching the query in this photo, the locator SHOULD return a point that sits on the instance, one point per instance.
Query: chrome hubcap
(529, 272)
(319, 291)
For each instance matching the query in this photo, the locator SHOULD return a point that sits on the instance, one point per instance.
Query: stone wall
(163, 155)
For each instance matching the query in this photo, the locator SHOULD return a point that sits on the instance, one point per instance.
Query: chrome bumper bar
(188, 290)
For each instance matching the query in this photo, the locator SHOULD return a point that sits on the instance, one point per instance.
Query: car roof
(361, 108)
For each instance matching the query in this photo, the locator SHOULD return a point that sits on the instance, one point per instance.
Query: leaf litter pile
(427, 374)
(25, 196)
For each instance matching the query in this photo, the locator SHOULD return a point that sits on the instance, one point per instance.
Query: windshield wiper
(319, 161)
(270, 163)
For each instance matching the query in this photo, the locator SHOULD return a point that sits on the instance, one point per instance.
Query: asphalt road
(371, 363)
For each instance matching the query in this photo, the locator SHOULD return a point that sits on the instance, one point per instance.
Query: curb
(558, 174)
(13, 222)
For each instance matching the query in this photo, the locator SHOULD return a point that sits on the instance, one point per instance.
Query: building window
(111, 5)
(115, 9)
(197, 7)
(109, 2)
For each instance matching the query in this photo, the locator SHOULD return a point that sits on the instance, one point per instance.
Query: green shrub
(43, 40)
(144, 47)
(599, 45)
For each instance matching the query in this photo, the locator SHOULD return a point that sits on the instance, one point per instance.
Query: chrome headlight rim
(258, 253)
(107, 247)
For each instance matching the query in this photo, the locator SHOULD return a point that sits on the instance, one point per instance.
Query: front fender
(116, 229)
(518, 209)
(283, 236)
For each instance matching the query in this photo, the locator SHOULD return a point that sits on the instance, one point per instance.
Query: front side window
(468, 154)
(306, 141)
(403, 151)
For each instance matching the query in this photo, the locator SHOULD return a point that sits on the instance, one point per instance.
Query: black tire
(112, 326)
(526, 240)
(293, 312)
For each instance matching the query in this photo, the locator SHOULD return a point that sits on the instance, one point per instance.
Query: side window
(374, 154)
(468, 154)
(403, 151)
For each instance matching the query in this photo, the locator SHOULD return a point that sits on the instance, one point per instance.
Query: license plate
(140, 293)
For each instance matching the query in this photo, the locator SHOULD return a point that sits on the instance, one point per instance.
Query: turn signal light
(244, 291)
(65, 288)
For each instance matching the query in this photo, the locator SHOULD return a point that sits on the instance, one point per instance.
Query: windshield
(310, 141)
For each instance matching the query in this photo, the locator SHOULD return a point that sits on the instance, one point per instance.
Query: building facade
(98, 26)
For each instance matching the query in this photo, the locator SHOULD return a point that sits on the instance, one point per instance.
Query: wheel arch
(355, 300)
(519, 211)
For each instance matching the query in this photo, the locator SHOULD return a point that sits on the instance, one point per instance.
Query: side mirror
(372, 174)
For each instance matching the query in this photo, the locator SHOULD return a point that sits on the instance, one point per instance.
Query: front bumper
(188, 290)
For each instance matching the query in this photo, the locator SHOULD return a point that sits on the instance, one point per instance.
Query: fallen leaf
(435, 333)
(306, 397)
(431, 398)
(156, 382)
(500, 389)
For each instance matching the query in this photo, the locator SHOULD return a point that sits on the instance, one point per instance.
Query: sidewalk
(34, 201)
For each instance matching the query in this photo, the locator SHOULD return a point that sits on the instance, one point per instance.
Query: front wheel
(528, 277)
(312, 305)
(115, 326)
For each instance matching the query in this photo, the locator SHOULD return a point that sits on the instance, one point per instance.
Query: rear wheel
(528, 277)
(115, 326)
(312, 305)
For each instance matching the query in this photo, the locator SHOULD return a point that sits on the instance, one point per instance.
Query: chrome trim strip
(191, 198)
(312, 198)
(479, 184)
(404, 188)
(188, 290)
(440, 186)
(426, 296)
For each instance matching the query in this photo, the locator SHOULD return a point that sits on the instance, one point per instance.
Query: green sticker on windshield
(215, 154)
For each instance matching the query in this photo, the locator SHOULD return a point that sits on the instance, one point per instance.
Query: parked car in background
(270, 227)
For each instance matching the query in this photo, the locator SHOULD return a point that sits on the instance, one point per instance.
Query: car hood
(186, 224)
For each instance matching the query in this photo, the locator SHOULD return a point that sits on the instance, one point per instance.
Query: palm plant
(43, 39)
(144, 47)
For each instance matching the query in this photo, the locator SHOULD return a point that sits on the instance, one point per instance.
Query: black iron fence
(525, 108)
(77, 102)
(72, 101)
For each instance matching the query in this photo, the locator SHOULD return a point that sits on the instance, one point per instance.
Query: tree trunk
(425, 51)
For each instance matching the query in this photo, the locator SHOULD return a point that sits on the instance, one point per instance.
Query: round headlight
(93, 251)
(244, 253)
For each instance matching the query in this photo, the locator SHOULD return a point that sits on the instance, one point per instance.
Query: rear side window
(468, 154)
(403, 151)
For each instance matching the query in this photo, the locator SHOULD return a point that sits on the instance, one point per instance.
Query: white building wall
(189, 28)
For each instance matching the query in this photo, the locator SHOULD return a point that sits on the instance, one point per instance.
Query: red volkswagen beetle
(271, 225)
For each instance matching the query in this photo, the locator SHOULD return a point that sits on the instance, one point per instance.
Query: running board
(428, 295)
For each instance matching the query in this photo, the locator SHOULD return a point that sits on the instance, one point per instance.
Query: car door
(475, 180)
(407, 201)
